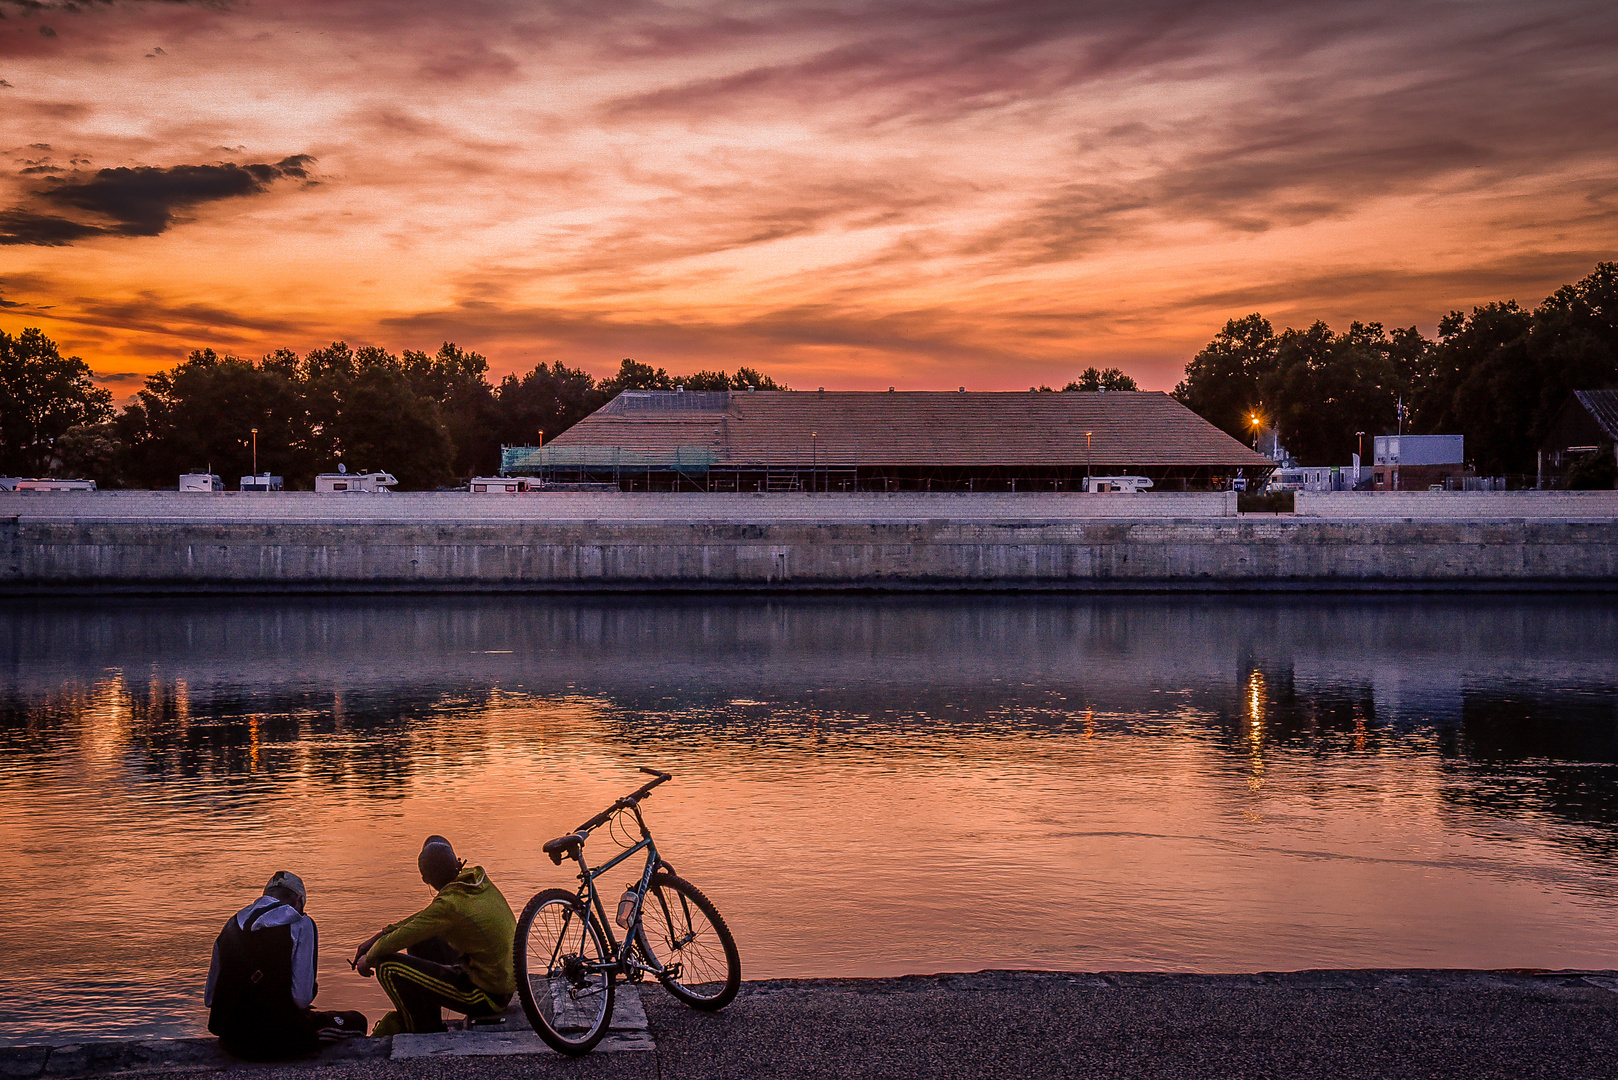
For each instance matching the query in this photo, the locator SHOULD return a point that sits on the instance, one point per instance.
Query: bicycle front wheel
(683, 935)
(560, 960)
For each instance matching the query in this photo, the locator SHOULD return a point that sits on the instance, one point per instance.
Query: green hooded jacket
(473, 919)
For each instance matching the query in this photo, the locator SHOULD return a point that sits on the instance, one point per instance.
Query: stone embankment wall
(1459, 505)
(172, 543)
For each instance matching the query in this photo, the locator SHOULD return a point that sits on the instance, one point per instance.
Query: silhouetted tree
(93, 452)
(1326, 387)
(1105, 379)
(42, 395)
(200, 415)
(544, 403)
(1221, 382)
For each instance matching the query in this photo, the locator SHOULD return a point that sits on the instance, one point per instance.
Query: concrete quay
(155, 542)
(1030, 1025)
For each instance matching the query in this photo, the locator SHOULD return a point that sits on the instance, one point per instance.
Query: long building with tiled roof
(875, 441)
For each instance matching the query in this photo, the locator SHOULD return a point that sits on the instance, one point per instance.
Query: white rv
(503, 485)
(262, 482)
(1126, 485)
(201, 481)
(375, 483)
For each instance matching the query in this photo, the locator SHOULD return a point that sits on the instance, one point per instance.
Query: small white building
(1124, 485)
(375, 483)
(201, 481)
(262, 482)
(48, 484)
(503, 485)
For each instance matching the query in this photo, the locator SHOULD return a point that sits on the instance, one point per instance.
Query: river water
(868, 786)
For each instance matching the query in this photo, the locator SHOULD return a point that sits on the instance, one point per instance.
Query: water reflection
(1200, 784)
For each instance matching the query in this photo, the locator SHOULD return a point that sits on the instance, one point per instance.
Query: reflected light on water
(1310, 785)
(1255, 729)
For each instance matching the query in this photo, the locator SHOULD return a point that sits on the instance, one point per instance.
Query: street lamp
(255, 455)
(1360, 435)
(1258, 424)
(814, 458)
(1087, 435)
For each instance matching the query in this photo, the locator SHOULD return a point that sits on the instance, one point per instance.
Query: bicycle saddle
(563, 845)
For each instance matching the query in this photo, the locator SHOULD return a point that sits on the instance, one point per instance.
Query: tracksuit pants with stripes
(420, 988)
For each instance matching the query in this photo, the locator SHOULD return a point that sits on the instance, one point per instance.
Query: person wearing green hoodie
(455, 953)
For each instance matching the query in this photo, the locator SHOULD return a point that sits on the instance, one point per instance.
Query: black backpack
(253, 1010)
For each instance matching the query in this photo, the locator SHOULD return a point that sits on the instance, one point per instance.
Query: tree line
(1498, 375)
(429, 419)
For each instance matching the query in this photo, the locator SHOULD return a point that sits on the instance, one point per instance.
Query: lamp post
(814, 458)
(1360, 436)
(1087, 435)
(1257, 424)
(255, 456)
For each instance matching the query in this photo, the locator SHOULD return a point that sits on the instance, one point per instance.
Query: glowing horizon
(993, 195)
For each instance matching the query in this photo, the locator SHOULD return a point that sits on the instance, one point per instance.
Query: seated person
(459, 948)
(261, 982)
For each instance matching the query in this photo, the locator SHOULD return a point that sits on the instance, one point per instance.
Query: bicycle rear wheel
(558, 957)
(683, 933)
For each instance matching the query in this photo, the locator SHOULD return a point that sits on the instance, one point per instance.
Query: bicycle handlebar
(628, 800)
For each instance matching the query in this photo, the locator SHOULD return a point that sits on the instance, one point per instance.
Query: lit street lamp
(255, 454)
(814, 458)
(1087, 460)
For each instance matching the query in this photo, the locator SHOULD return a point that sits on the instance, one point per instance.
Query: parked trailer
(48, 484)
(503, 485)
(262, 482)
(1124, 485)
(374, 483)
(198, 481)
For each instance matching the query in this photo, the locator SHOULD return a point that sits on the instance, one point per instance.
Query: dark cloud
(141, 201)
(42, 230)
(118, 378)
(149, 313)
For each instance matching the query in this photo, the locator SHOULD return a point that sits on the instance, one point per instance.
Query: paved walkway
(1399, 1025)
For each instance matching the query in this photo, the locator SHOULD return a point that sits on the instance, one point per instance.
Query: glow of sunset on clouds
(855, 195)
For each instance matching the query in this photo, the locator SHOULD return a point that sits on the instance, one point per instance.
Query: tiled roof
(913, 428)
(1603, 407)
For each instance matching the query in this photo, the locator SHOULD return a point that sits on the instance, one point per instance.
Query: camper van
(200, 481)
(374, 483)
(1126, 485)
(262, 482)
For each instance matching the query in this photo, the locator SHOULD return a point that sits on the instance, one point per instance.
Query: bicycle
(568, 962)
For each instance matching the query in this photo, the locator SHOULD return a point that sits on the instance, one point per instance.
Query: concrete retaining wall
(1458, 505)
(459, 506)
(49, 556)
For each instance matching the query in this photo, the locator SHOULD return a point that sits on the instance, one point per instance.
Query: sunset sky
(851, 194)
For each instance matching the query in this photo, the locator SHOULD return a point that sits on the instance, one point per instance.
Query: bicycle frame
(624, 961)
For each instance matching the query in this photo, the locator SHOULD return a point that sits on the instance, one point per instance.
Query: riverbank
(1367, 1024)
(168, 543)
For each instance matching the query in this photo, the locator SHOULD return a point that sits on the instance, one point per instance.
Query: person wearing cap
(453, 954)
(261, 982)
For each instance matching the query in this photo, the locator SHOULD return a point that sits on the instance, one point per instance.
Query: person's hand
(364, 967)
